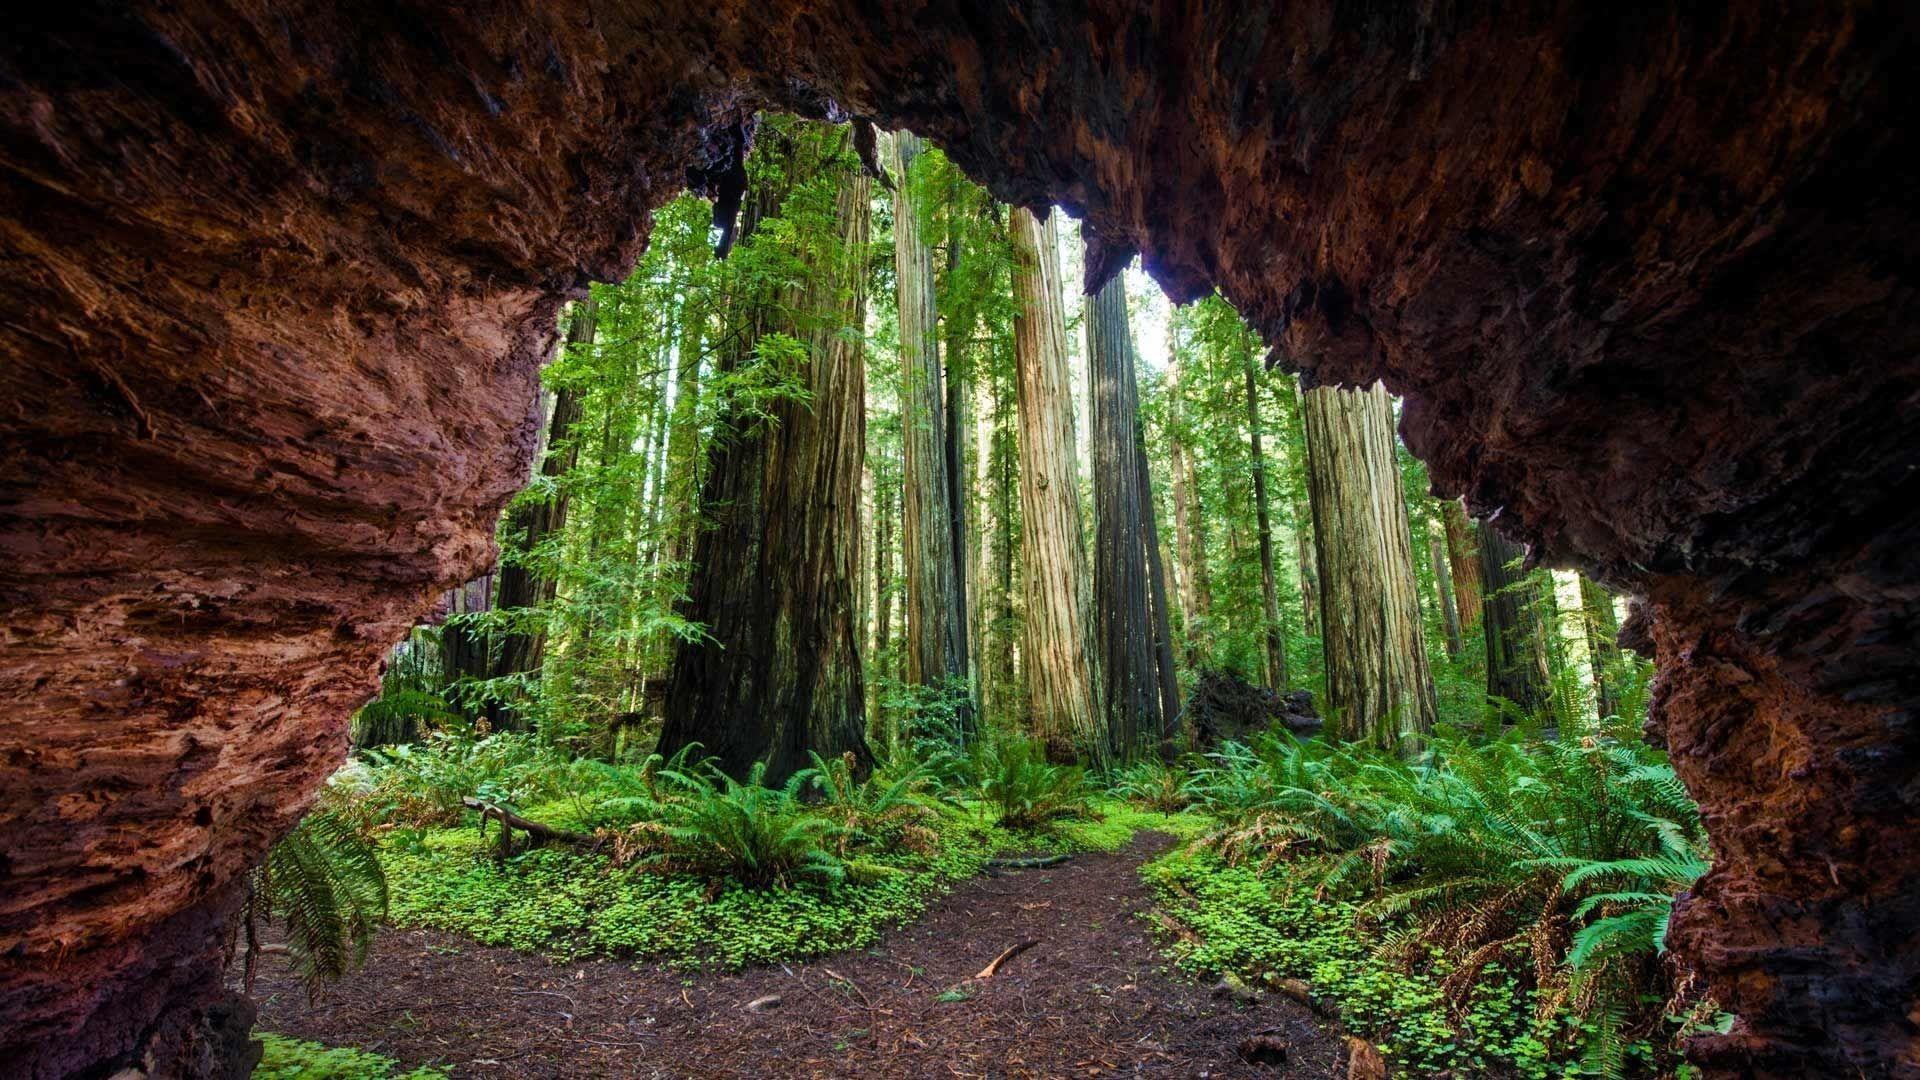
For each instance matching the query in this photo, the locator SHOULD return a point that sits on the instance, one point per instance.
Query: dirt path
(1093, 998)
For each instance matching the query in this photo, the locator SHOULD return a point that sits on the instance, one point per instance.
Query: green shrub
(1168, 787)
(423, 784)
(1551, 866)
(1024, 790)
(722, 829)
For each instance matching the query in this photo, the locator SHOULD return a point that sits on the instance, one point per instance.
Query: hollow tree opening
(278, 283)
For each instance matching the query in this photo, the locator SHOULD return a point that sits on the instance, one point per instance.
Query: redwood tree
(936, 607)
(1125, 545)
(1379, 687)
(1516, 636)
(777, 672)
(1057, 643)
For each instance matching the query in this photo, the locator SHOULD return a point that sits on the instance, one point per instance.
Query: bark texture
(1379, 688)
(1057, 646)
(1463, 561)
(1123, 608)
(936, 606)
(776, 578)
(1515, 631)
(278, 280)
(1263, 522)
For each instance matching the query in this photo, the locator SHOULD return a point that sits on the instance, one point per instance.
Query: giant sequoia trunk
(778, 671)
(1379, 688)
(1057, 644)
(1516, 634)
(1443, 592)
(936, 607)
(1123, 606)
(279, 278)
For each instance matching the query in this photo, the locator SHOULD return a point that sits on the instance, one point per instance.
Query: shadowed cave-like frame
(279, 279)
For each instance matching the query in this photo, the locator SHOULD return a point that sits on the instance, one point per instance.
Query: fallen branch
(1031, 863)
(1012, 951)
(537, 833)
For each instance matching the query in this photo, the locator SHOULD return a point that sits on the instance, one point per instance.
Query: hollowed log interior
(279, 278)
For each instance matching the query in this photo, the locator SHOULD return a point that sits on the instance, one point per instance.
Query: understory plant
(714, 826)
(1550, 865)
(1024, 789)
(324, 884)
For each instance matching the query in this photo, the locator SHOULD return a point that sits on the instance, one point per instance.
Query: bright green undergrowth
(700, 869)
(1495, 907)
(297, 1059)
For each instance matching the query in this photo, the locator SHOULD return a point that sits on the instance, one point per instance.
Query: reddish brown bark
(278, 280)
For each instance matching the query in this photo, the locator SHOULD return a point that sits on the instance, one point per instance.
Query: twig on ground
(1011, 951)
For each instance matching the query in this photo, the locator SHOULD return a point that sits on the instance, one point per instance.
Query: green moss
(297, 1059)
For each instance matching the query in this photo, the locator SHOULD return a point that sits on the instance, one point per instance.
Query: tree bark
(1277, 676)
(1463, 558)
(1189, 523)
(779, 672)
(1123, 606)
(1515, 635)
(1443, 588)
(936, 607)
(1057, 642)
(1603, 645)
(1379, 687)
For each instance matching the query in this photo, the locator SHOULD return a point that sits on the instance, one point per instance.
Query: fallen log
(1032, 862)
(537, 833)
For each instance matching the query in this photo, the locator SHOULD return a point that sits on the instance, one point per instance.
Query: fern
(324, 882)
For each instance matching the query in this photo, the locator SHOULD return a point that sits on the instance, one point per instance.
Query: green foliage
(297, 1059)
(324, 883)
(726, 830)
(1158, 785)
(423, 785)
(1545, 868)
(400, 716)
(1024, 790)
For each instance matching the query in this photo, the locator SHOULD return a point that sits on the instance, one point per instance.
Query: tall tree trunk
(1603, 645)
(1161, 624)
(1057, 640)
(1516, 636)
(1443, 587)
(1379, 687)
(1004, 630)
(1302, 535)
(1277, 676)
(884, 514)
(1189, 524)
(779, 672)
(960, 461)
(1123, 609)
(1463, 558)
(530, 523)
(936, 608)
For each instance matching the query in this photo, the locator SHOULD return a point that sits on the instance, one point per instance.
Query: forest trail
(1093, 997)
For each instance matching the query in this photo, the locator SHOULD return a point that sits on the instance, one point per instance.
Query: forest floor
(1093, 996)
